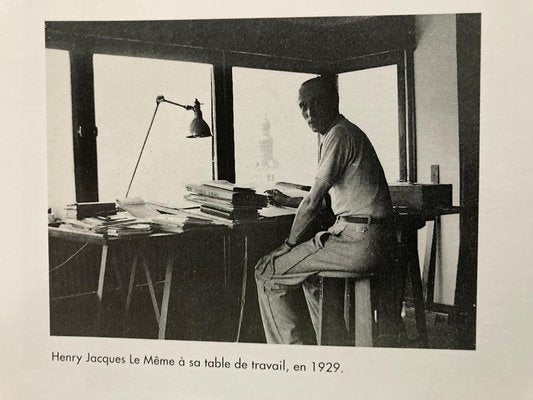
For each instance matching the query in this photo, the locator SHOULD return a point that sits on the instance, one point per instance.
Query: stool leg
(331, 306)
(363, 313)
(320, 311)
(347, 315)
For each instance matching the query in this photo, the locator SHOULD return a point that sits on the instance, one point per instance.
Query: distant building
(267, 166)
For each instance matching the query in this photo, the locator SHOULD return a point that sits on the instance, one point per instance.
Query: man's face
(317, 107)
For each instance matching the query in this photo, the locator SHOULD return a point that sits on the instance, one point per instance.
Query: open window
(60, 152)
(369, 99)
(125, 93)
(272, 141)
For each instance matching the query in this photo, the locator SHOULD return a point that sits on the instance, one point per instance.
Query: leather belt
(365, 219)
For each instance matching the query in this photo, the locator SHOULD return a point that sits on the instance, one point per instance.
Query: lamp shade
(198, 127)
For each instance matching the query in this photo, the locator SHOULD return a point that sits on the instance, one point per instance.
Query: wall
(437, 125)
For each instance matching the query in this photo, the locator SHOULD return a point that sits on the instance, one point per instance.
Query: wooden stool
(330, 306)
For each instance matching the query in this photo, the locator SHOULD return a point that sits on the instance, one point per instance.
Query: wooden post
(83, 125)
(224, 142)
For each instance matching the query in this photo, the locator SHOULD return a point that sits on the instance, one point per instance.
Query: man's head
(319, 103)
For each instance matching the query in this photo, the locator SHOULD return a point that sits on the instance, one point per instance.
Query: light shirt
(348, 162)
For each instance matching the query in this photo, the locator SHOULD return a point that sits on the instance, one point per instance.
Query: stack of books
(89, 209)
(226, 200)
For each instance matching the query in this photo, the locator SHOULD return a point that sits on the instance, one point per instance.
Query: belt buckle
(363, 227)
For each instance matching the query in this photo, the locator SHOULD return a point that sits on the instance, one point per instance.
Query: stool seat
(329, 304)
(345, 274)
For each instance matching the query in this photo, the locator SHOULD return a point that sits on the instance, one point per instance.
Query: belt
(365, 219)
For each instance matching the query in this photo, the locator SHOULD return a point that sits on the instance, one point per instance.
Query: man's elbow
(311, 205)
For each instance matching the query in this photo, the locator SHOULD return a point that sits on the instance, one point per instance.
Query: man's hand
(277, 198)
(270, 257)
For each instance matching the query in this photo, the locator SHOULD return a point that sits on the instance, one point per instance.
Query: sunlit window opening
(61, 189)
(369, 99)
(272, 141)
(125, 93)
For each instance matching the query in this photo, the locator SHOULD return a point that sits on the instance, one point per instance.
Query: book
(89, 209)
(226, 185)
(234, 216)
(219, 204)
(128, 230)
(235, 197)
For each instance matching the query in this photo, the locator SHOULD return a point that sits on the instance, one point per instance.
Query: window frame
(403, 59)
(82, 48)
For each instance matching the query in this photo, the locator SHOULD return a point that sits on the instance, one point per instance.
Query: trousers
(344, 246)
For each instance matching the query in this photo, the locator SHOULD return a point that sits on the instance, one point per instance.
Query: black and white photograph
(212, 180)
(249, 203)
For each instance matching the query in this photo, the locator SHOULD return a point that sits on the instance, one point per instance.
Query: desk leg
(429, 261)
(166, 298)
(152, 291)
(243, 291)
(227, 246)
(131, 283)
(100, 290)
(430, 256)
(416, 286)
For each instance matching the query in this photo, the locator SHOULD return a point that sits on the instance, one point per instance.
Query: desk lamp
(198, 127)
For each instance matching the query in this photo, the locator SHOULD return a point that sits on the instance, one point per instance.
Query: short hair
(327, 84)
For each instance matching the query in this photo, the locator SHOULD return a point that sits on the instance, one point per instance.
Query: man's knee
(260, 277)
(265, 273)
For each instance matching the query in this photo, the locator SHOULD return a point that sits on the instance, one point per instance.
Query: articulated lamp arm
(198, 127)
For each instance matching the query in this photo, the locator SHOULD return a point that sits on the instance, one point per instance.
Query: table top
(428, 213)
(79, 235)
(63, 232)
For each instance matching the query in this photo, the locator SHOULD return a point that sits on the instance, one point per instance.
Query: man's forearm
(304, 216)
(294, 202)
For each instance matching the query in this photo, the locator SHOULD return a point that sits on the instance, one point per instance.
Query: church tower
(267, 165)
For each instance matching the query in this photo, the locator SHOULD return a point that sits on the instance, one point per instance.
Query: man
(350, 172)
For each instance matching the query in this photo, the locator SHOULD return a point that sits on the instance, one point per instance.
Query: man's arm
(335, 155)
(279, 198)
(309, 208)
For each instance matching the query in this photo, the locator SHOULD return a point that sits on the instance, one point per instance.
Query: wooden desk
(422, 281)
(251, 239)
(162, 249)
(139, 251)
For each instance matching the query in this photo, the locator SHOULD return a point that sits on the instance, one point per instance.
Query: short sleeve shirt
(348, 162)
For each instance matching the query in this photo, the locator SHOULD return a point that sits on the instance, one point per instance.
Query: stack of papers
(132, 229)
(111, 224)
(137, 207)
(179, 223)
